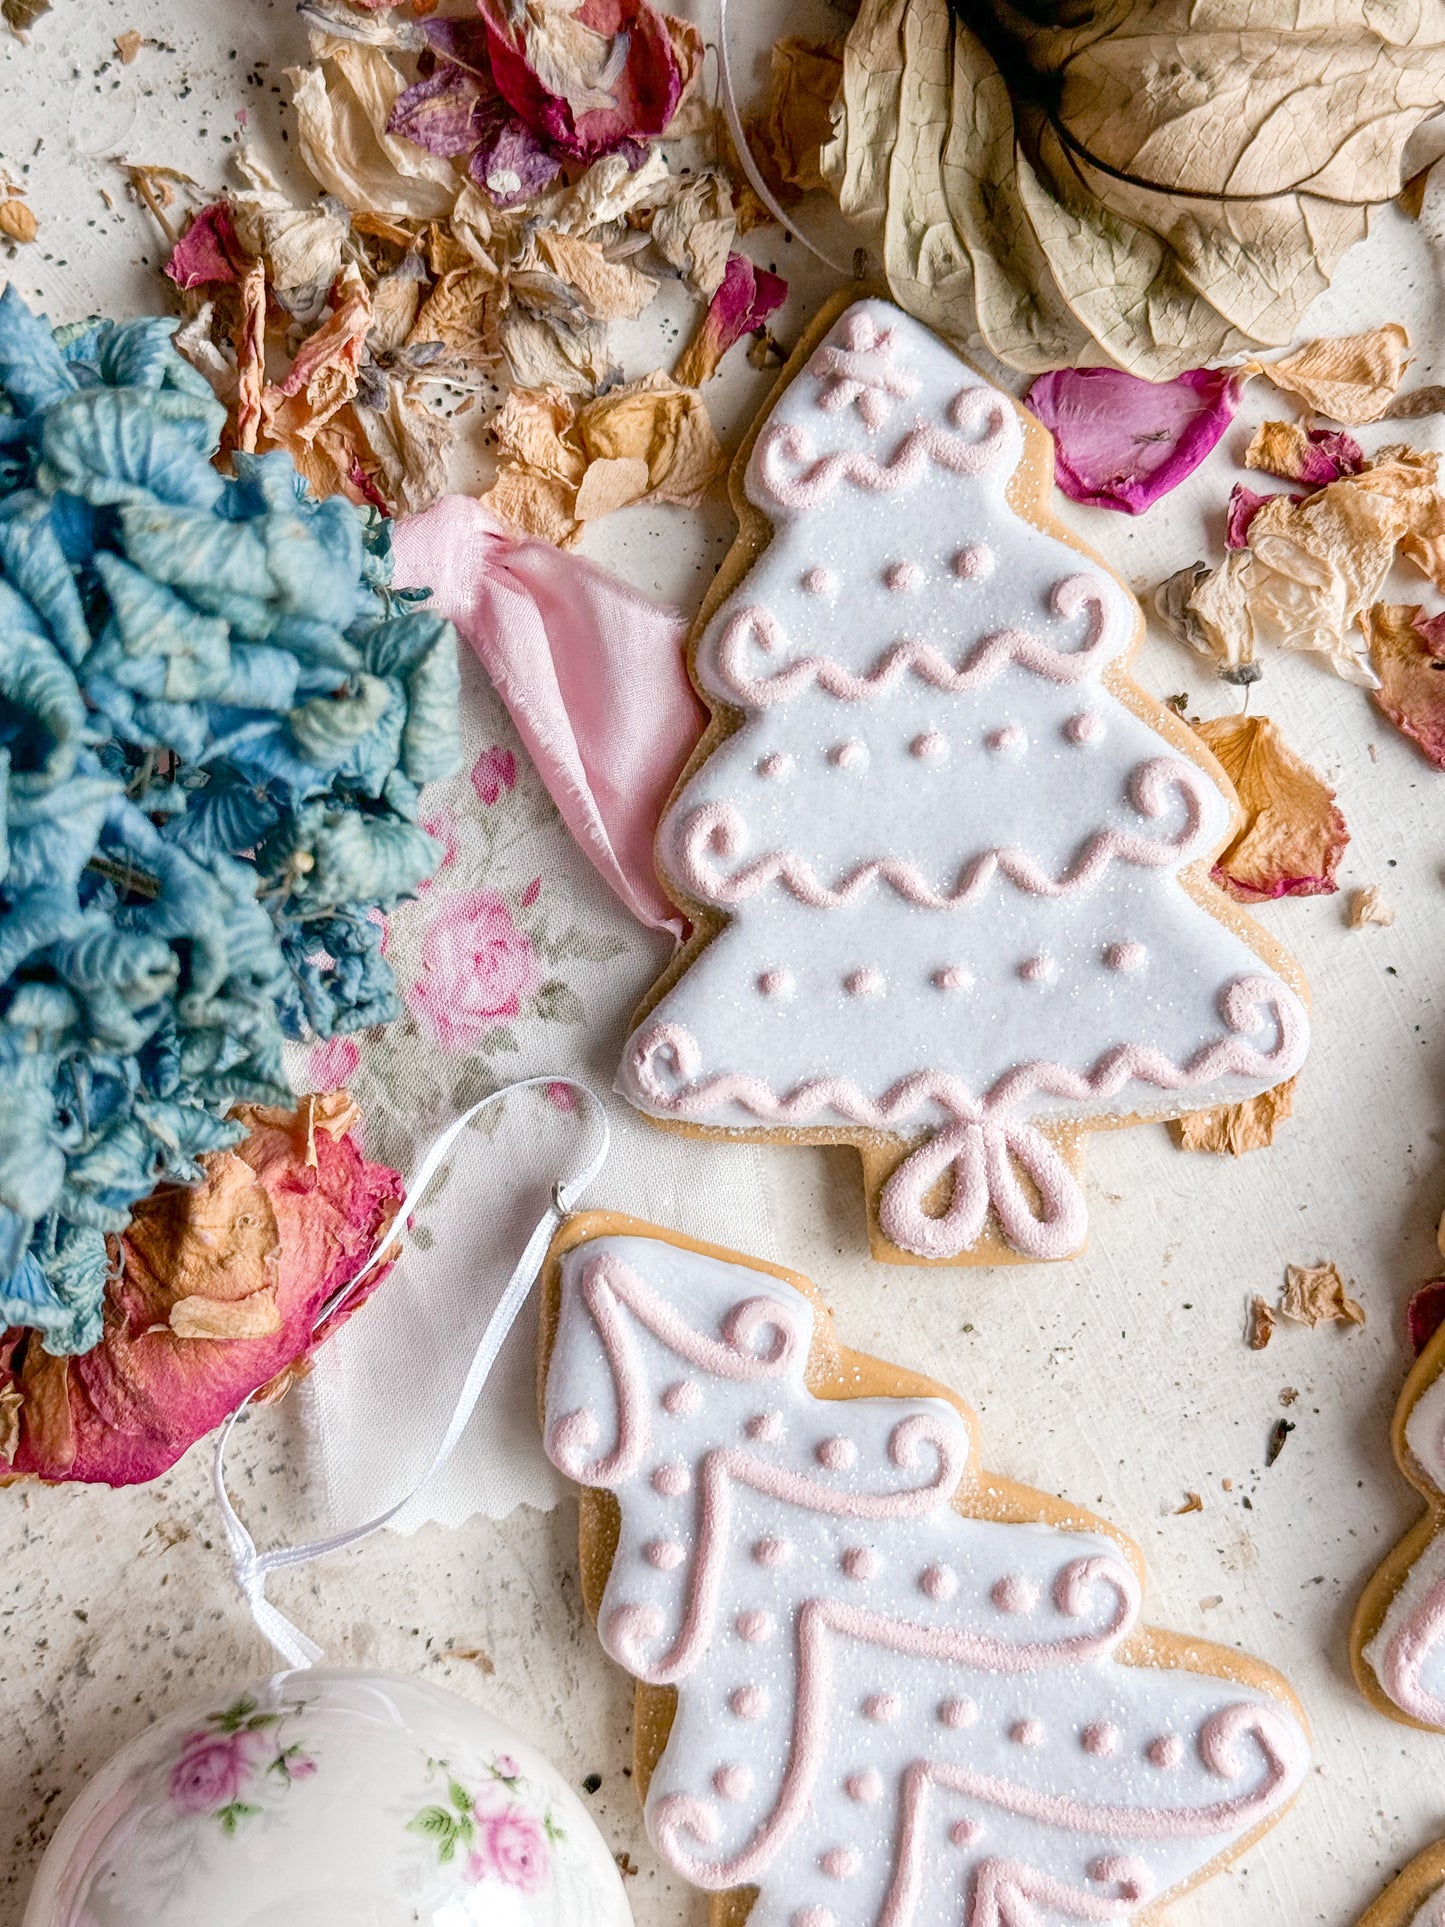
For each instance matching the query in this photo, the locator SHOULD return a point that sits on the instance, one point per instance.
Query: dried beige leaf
(342, 107)
(1237, 1128)
(1316, 1295)
(610, 483)
(1259, 1328)
(1293, 835)
(255, 1316)
(1163, 186)
(693, 228)
(128, 45)
(17, 221)
(1370, 906)
(1350, 379)
(608, 290)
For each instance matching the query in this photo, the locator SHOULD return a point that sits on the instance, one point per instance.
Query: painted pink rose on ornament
(476, 967)
(511, 1845)
(213, 1770)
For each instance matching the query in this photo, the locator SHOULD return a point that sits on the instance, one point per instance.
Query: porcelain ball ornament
(329, 1799)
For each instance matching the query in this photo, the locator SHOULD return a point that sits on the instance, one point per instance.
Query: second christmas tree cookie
(948, 865)
(876, 1683)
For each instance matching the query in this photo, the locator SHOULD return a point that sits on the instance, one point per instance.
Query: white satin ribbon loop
(251, 1567)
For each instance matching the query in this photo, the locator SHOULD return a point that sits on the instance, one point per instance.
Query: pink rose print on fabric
(476, 967)
(561, 1097)
(441, 826)
(510, 1846)
(333, 1064)
(212, 1770)
(495, 770)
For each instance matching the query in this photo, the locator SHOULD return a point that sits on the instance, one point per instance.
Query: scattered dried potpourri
(215, 721)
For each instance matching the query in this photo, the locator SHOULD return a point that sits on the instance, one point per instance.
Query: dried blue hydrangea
(215, 722)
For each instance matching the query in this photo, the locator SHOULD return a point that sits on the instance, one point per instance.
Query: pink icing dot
(819, 581)
(812, 1917)
(1027, 1732)
(847, 755)
(939, 1582)
(1165, 1752)
(901, 575)
(773, 1552)
(1100, 1740)
(973, 563)
(840, 1863)
(930, 744)
(748, 1702)
(775, 765)
(859, 1563)
(733, 1782)
(881, 1707)
(766, 1427)
(682, 1397)
(867, 982)
(963, 1833)
(671, 1479)
(952, 977)
(664, 1554)
(1009, 737)
(1086, 727)
(837, 1454)
(957, 1712)
(754, 1627)
(1125, 956)
(865, 1787)
(1039, 969)
(776, 983)
(1014, 1594)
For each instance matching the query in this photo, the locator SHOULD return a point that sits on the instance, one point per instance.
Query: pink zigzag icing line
(717, 829)
(790, 474)
(984, 662)
(981, 1142)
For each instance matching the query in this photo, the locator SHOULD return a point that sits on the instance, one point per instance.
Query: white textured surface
(1120, 1379)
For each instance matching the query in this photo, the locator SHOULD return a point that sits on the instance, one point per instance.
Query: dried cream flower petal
(608, 290)
(1293, 835)
(1350, 379)
(610, 483)
(1369, 905)
(255, 1316)
(1316, 1295)
(1237, 1128)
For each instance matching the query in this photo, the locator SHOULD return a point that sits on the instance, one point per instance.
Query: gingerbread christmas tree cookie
(948, 866)
(875, 1683)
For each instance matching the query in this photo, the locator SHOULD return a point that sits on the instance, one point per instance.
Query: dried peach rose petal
(1293, 835)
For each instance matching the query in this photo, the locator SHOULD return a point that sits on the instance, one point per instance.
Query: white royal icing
(888, 1712)
(930, 778)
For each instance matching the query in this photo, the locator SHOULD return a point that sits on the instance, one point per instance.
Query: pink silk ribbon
(592, 674)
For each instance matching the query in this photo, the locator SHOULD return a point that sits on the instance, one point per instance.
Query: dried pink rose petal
(1425, 1314)
(208, 250)
(746, 296)
(1317, 456)
(644, 63)
(1407, 649)
(293, 1212)
(1121, 443)
(1244, 505)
